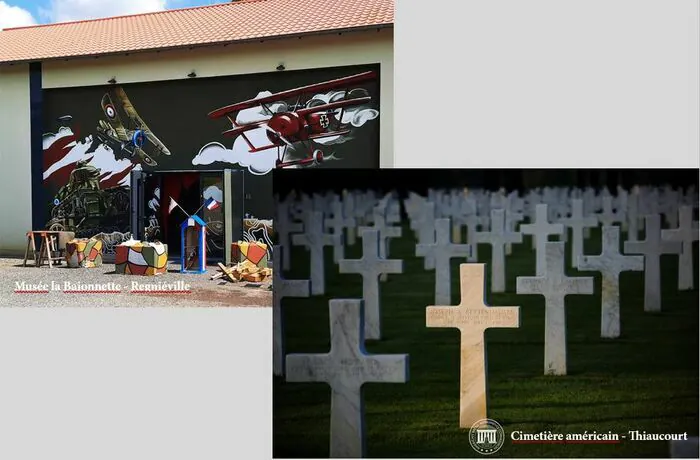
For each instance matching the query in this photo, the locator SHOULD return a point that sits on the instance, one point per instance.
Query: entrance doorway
(153, 219)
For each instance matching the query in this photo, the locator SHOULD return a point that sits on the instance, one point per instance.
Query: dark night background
(420, 180)
(176, 111)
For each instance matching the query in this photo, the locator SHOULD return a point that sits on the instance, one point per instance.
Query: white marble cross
(686, 233)
(472, 317)
(633, 215)
(513, 218)
(370, 266)
(426, 231)
(338, 223)
(471, 221)
(284, 227)
(540, 232)
(346, 368)
(386, 231)
(315, 240)
(577, 223)
(282, 288)
(610, 263)
(652, 247)
(554, 285)
(442, 250)
(608, 216)
(498, 237)
(349, 211)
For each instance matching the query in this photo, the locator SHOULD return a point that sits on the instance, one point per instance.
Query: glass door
(212, 188)
(234, 209)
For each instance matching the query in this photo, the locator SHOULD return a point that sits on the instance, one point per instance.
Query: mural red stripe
(116, 178)
(61, 175)
(57, 150)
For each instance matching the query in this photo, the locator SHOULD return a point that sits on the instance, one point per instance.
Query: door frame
(233, 206)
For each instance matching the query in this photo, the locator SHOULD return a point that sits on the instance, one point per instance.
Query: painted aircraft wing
(113, 118)
(145, 158)
(243, 128)
(129, 110)
(342, 132)
(136, 120)
(317, 87)
(334, 105)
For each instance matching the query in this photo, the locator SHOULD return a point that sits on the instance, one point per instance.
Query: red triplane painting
(298, 123)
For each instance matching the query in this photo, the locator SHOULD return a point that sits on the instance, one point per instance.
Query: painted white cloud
(53, 137)
(14, 16)
(263, 162)
(154, 203)
(259, 163)
(74, 10)
(102, 157)
(213, 192)
(254, 114)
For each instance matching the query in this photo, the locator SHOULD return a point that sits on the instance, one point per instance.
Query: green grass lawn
(645, 380)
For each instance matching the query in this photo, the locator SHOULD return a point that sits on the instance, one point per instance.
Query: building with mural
(104, 123)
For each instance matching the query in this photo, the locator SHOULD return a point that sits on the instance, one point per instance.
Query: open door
(234, 200)
(152, 191)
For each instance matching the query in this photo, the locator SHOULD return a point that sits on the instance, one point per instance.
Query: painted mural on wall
(95, 137)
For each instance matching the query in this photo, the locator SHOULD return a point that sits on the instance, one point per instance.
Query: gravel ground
(204, 292)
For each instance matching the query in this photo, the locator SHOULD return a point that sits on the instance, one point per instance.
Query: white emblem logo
(486, 436)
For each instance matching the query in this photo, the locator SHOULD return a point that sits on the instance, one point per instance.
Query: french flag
(211, 204)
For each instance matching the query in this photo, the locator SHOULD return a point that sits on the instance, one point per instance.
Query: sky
(18, 13)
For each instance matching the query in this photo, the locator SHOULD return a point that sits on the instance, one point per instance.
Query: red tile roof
(239, 21)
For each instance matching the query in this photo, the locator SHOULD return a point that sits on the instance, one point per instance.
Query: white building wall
(355, 48)
(15, 159)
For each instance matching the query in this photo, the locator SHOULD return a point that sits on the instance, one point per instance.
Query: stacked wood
(243, 271)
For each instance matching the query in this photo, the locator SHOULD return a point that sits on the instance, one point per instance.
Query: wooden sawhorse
(47, 251)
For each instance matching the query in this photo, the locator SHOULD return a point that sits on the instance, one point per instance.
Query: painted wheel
(317, 156)
(57, 227)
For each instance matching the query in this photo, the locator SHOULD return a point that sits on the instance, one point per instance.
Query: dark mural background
(420, 180)
(87, 162)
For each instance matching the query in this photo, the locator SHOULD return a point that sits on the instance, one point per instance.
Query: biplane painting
(95, 136)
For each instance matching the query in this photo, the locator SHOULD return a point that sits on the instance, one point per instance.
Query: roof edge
(135, 15)
(378, 27)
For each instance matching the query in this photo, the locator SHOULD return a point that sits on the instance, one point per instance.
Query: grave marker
(608, 216)
(498, 237)
(426, 231)
(315, 240)
(610, 263)
(346, 368)
(442, 251)
(633, 216)
(284, 227)
(652, 247)
(370, 266)
(578, 223)
(554, 285)
(686, 233)
(282, 288)
(472, 317)
(386, 231)
(338, 223)
(540, 231)
(349, 211)
(513, 218)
